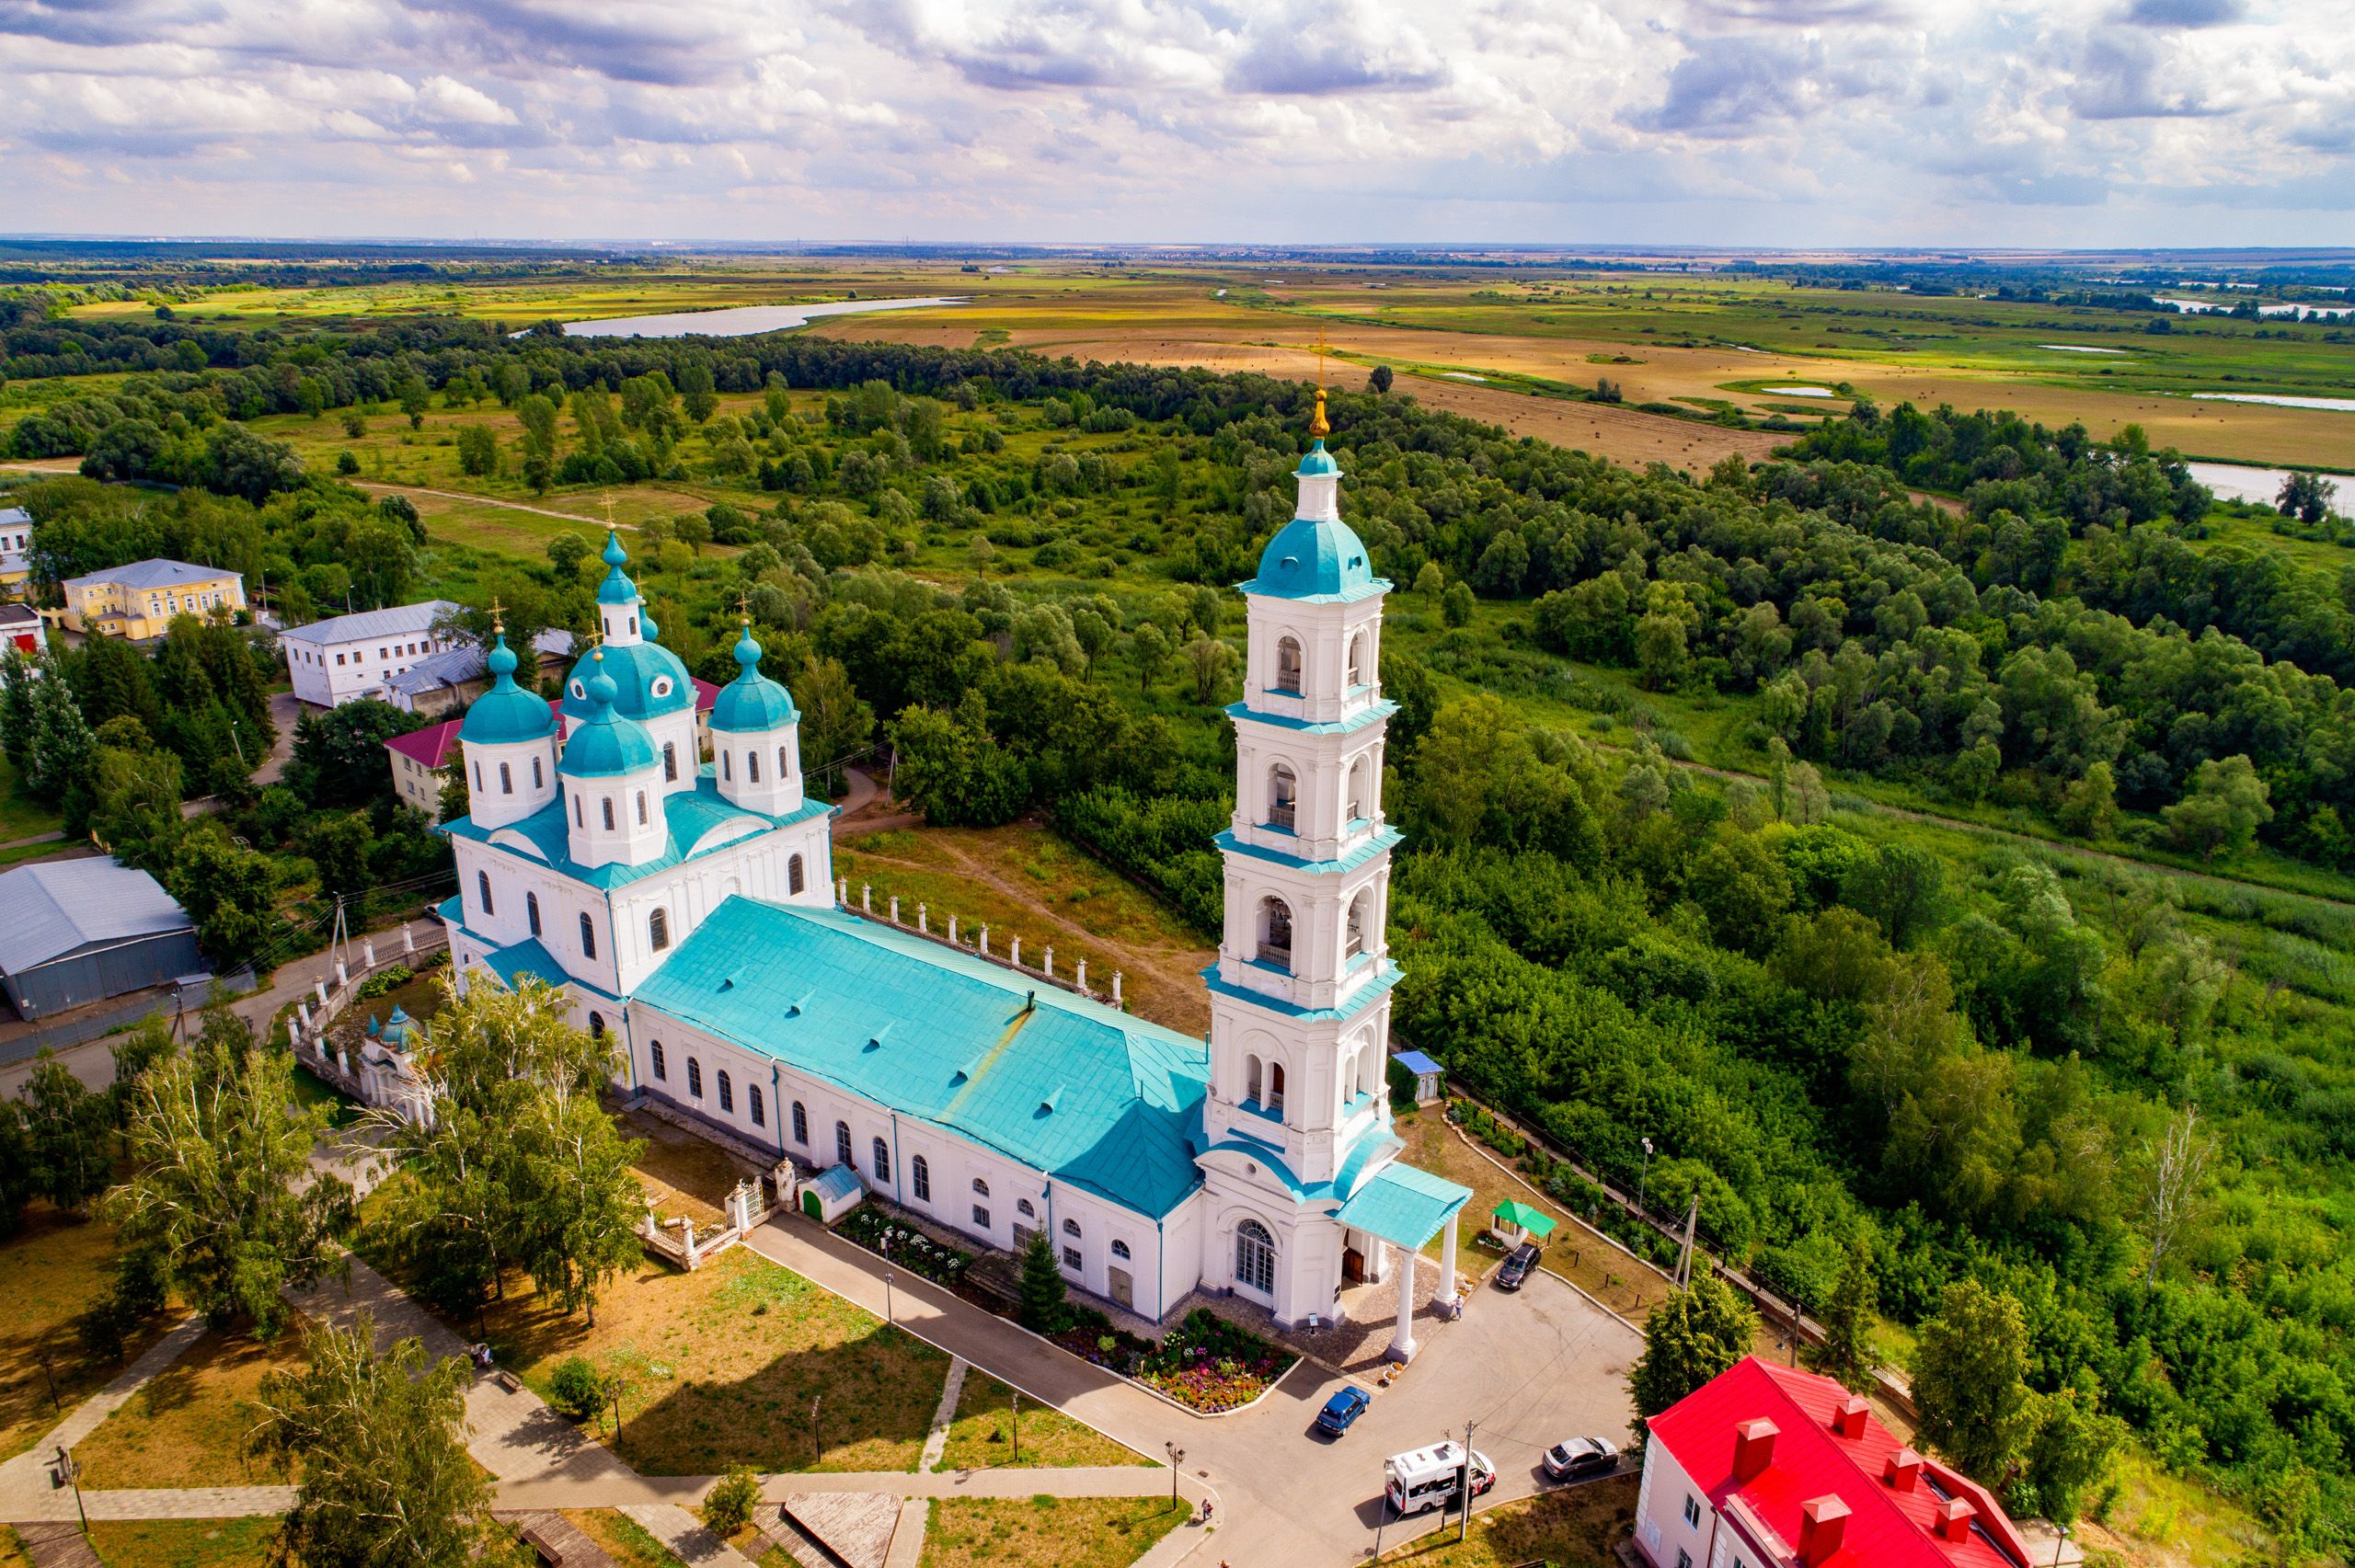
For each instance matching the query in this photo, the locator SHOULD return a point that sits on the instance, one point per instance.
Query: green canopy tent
(1517, 1221)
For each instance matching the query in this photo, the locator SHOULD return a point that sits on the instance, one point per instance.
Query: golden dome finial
(1316, 425)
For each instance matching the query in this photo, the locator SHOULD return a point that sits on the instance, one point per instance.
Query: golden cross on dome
(744, 605)
(497, 628)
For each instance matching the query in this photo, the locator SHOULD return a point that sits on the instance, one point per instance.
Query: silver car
(1581, 1459)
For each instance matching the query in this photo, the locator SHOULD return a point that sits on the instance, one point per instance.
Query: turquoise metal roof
(1091, 1096)
(1374, 845)
(836, 1182)
(1322, 562)
(688, 815)
(1317, 464)
(617, 589)
(605, 745)
(527, 958)
(506, 714)
(1403, 1205)
(1359, 720)
(751, 701)
(635, 669)
(1358, 1000)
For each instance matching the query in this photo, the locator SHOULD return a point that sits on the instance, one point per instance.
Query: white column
(866, 896)
(1018, 952)
(895, 908)
(1447, 1261)
(952, 931)
(408, 938)
(985, 939)
(1080, 978)
(924, 922)
(1049, 969)
(1402, 1344)
(1116, 987)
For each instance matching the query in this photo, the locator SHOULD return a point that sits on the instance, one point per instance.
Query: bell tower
(1300, 1002)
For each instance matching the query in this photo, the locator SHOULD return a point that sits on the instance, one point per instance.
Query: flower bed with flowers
(870, 1227)
(1208, 1364)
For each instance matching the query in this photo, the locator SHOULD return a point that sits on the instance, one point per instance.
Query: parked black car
(1516, 1267)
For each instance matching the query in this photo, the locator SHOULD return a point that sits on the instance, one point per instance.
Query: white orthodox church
(690, 909)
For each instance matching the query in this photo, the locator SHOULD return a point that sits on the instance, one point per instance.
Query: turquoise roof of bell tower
(506, 714)
(605, 744)
(751, 701)
(1318, 463)
(1316, 561)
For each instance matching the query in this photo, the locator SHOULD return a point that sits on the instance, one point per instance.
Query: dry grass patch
(50, 1270)
(1570, 1528)
(721, 1366)
(12, 1550)
(624, 1540)
(187, 1427)
(1047, 1532)
(982, 1435)
(1024, 881)
(1599, 1267)
(184, 1543)
(687, 1176)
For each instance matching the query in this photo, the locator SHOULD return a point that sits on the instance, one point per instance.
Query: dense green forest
(1969, 1057)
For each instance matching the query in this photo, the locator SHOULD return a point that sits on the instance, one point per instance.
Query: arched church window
(1121, 1251)
(657, 929)
(784, 768)
(596, 1025)
(1255, 1258)
(980, 1188)
(538, 778)
(920, 1174)
(1275, 932)
(1357, 660)
(482, 888)
(753, 1099)
(1354, 809)
(588, 936)
(1276, 1087)
(1251, 1075)
(800, 1123)
(1360, 913)
(609, 813)
(752, 767)
(577, 820)
(727, 1092)
(1288, 666)
(793, 875)
(1284, 789)
(506, 778)
(1071, 1228)
(842, 1145)
(477, 775)
(726, 770)
(669, 763)
(662, 1068)
(695, 1078)
(532, 912)
(882, 1161)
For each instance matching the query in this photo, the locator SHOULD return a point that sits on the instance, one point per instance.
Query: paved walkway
(952, 1388)
(686, 1536)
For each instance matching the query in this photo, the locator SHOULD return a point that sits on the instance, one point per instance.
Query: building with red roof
(1770, 1467)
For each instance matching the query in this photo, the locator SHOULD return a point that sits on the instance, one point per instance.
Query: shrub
(728, 1507)
(575, 1386)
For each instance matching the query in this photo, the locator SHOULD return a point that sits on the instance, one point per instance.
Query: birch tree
(2179, 1158)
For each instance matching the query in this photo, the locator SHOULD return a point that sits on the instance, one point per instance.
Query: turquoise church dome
(605, 743)
(1314, 560)
(506, 714)
(751, 701)
(649, 678)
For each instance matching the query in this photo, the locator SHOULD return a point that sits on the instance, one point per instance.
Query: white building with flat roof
(340, 660)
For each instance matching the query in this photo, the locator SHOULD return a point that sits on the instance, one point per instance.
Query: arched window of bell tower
(1275, 932)
(1275, 1089)
(1288, 666)
(1361, 916)
(1283, 790)
(1357, 660)
(1251, 1073)
(1353, 808)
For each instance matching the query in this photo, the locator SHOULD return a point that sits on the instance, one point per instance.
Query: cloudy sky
(1797, 122)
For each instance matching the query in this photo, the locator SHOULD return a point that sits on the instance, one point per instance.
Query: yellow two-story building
(138, 600)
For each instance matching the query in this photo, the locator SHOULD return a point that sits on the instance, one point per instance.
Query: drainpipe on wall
(1160, 1272)
(899, 1163)
(778, 1107)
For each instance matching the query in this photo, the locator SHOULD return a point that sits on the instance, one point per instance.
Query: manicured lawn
(721, 1366)
(1572, 1527)
(1047, 1532)
(982, 1435)
(187, 1427)
(12, 1550)
(50, 1270)
(624, 1539)
(184, 1543)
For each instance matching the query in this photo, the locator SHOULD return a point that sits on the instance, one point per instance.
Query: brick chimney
(1904, 1473)
(1753, 1448)
(1954, 1519)
(1823, 1524)
(1849, 1419)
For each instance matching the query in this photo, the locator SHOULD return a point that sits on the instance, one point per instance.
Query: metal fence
(90, 1025)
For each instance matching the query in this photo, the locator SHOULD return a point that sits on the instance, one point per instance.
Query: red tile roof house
(1768, 1467)
(419, 757)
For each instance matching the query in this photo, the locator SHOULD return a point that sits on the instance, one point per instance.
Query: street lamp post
(1177, 1458)
(2060, 1544)
(1015, 1394)
(1644, 1181)
(73, 1473)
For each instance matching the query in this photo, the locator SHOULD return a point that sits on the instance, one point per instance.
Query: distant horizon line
(1366, 249)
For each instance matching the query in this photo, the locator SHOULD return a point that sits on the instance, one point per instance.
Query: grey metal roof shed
(74, 932)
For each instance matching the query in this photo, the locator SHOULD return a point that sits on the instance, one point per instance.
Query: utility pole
(1017, 1394)
(817, 1443)
(1464, 1519)
(1644, 1181)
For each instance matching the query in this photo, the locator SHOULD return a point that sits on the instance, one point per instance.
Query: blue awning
(1416, 1062)
(1403, 1206)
